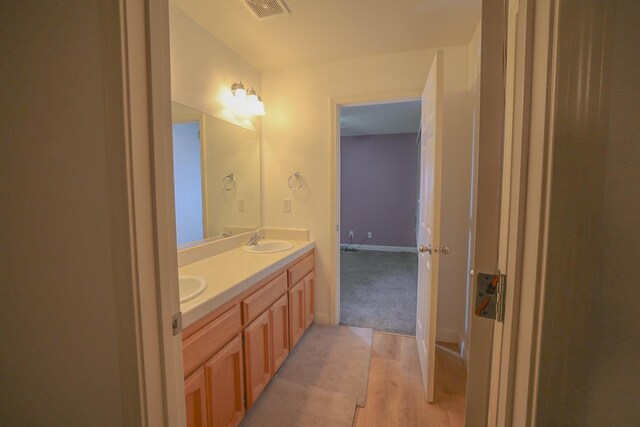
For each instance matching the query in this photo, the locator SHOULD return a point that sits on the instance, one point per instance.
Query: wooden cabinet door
(297, 321)
(195, 399)
(225, 386)
(309, 300)
(257, 347)
(279, 318)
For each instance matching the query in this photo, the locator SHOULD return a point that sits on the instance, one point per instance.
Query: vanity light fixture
(238, 90)
(256, 107)
(248, 101)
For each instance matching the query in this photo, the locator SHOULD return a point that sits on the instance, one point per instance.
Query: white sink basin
(190, 287)
(268, 247)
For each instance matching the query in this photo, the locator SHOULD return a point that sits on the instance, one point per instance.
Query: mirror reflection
(216, 177)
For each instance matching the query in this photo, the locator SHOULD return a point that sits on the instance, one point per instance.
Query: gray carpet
(378, 290)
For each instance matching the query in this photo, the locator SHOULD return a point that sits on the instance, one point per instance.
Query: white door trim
(334, 160)
(149, 164)
(515, 343)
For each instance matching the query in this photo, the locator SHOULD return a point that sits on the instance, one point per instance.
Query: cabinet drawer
(300, 269)
(262, 299)
(199, 347)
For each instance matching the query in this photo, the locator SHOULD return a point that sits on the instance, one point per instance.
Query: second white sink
(190, 287)
(268, 247)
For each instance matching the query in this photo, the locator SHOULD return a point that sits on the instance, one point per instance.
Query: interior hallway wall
(614, 368)
(378, 179)
(297, 137)
(68, 353)
(590, 343)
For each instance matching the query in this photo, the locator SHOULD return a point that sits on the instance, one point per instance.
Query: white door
(429, 223)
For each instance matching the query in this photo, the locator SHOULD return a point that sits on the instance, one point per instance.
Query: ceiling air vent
(267, 8)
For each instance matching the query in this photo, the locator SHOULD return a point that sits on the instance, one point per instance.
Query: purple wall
(378, 188)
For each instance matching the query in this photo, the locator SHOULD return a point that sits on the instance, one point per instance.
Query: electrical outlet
(286, 205)
(351, 234)
(241, 205)
(369, 235)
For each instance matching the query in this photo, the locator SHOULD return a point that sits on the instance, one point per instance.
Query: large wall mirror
(216, 176)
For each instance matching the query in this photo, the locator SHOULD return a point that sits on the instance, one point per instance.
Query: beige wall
(297, 136)
(587, 359)
(203, 70)
(614, 371)
(68, 353)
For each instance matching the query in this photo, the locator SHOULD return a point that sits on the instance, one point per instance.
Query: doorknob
(423, 249)
(444, 250)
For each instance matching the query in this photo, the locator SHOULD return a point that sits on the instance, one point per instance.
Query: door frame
(334, 158)
(145, 44)
(144, 49)
(199, 117)
(528, 126)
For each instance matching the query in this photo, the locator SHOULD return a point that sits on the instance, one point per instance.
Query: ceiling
(329, 30)
(380, 119)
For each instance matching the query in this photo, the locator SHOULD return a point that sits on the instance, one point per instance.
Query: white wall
(68, 353)
(474, 93)
(203, 70)
(297, 137)
(231, 149)
(456, 197)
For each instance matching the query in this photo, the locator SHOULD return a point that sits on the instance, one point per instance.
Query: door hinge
(176, 323)
(490, 291)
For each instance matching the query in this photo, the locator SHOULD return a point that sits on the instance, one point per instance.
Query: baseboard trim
(448, 350)
(447, 335)
(382, 248)
(322, 318)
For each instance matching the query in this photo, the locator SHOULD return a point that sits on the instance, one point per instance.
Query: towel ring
(295, 181)
(229, 182)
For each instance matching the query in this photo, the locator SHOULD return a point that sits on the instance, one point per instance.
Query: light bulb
(252, 98)
(238, 90)
(241, 94)
(259, 108)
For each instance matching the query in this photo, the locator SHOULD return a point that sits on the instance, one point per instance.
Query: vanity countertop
(232, 272)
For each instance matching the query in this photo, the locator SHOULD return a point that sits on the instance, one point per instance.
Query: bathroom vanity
(241, 329)
(244, 307)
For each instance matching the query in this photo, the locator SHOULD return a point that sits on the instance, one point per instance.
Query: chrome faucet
(253, 240)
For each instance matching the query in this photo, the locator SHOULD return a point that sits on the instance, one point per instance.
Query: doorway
(187, 173)
(378, 199)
